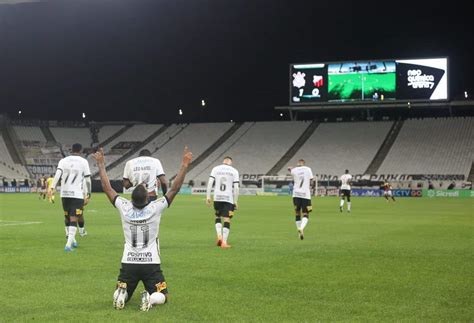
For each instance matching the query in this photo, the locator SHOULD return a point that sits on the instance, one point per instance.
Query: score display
(382, 80)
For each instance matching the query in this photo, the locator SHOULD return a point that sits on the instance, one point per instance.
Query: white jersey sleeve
(159, 168)
(127, 174)
(236, 176)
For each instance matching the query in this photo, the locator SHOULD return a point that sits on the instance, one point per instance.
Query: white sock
(219, 230)
(71, 236)
(298, 225)
(342, 203)
(226, 232)
(349, 206)
(116, 294)
(81, 230)
(304, 222)
(157, 298)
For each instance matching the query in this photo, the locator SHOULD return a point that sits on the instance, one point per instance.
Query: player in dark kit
(387, 192)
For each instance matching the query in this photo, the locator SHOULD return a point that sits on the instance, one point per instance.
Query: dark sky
(144, 59)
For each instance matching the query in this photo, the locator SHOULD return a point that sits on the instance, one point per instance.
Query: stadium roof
(147, 59)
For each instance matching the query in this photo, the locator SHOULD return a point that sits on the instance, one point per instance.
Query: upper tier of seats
(424, 146)
(335, 147)
(8, 168)
(432, 146)
(254, 148)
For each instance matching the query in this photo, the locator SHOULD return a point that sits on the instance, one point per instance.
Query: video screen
(421, 79)
(309, 83)
(361, 81)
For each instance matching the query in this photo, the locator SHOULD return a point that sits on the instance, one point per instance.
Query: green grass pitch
(411, 261)
(349, 86)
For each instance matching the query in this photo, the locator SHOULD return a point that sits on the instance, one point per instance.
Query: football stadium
(159, 162)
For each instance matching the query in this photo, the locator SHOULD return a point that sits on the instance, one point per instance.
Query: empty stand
(385, 148)
(8, 168)
(432, 146)
(69, 136)
(334, 147)
(255, 147)
(293, 149)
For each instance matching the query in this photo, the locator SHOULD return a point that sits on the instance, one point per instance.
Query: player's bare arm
(104, 179)
(57, 178)
(208, 191)
(163, 183)
(236, 195)
(187, 157)
(126, 183)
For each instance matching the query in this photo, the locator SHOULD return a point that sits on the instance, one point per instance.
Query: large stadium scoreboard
(379, 80)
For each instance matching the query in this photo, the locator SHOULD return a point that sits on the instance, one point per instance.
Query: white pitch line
(6, 223)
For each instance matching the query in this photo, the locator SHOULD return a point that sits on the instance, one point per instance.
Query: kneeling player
(141, 223)
(302, 178)
(226, 193)
(387, 192)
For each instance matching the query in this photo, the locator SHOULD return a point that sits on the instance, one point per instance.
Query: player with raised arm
(302, 178)
(141, 225)
(345, 179)
(226, 194)
(147, 170)
(73, 172)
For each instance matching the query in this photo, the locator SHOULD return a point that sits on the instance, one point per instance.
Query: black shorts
(150, 274)
(72, 207)
(224, 209)
(303, 205)
(345, 193)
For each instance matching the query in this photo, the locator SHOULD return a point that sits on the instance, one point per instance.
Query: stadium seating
(198, 137)
(69, 136)
(156, 143)
(255, 147)
(423, 146)
(29, 133)
(432, 146)
(8, 168)
(105, 132)
(334, 147)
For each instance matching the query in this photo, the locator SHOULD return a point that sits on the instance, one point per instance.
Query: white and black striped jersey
(73, 170)
(225, 176)
(302, 176)
(141, 229)
(143, 170)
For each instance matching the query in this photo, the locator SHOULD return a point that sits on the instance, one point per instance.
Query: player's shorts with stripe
(150, 274)
(224, 209)
(303, 205)
(345, 193)
(72, 206)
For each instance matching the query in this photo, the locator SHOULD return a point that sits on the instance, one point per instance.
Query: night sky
(144, 59)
